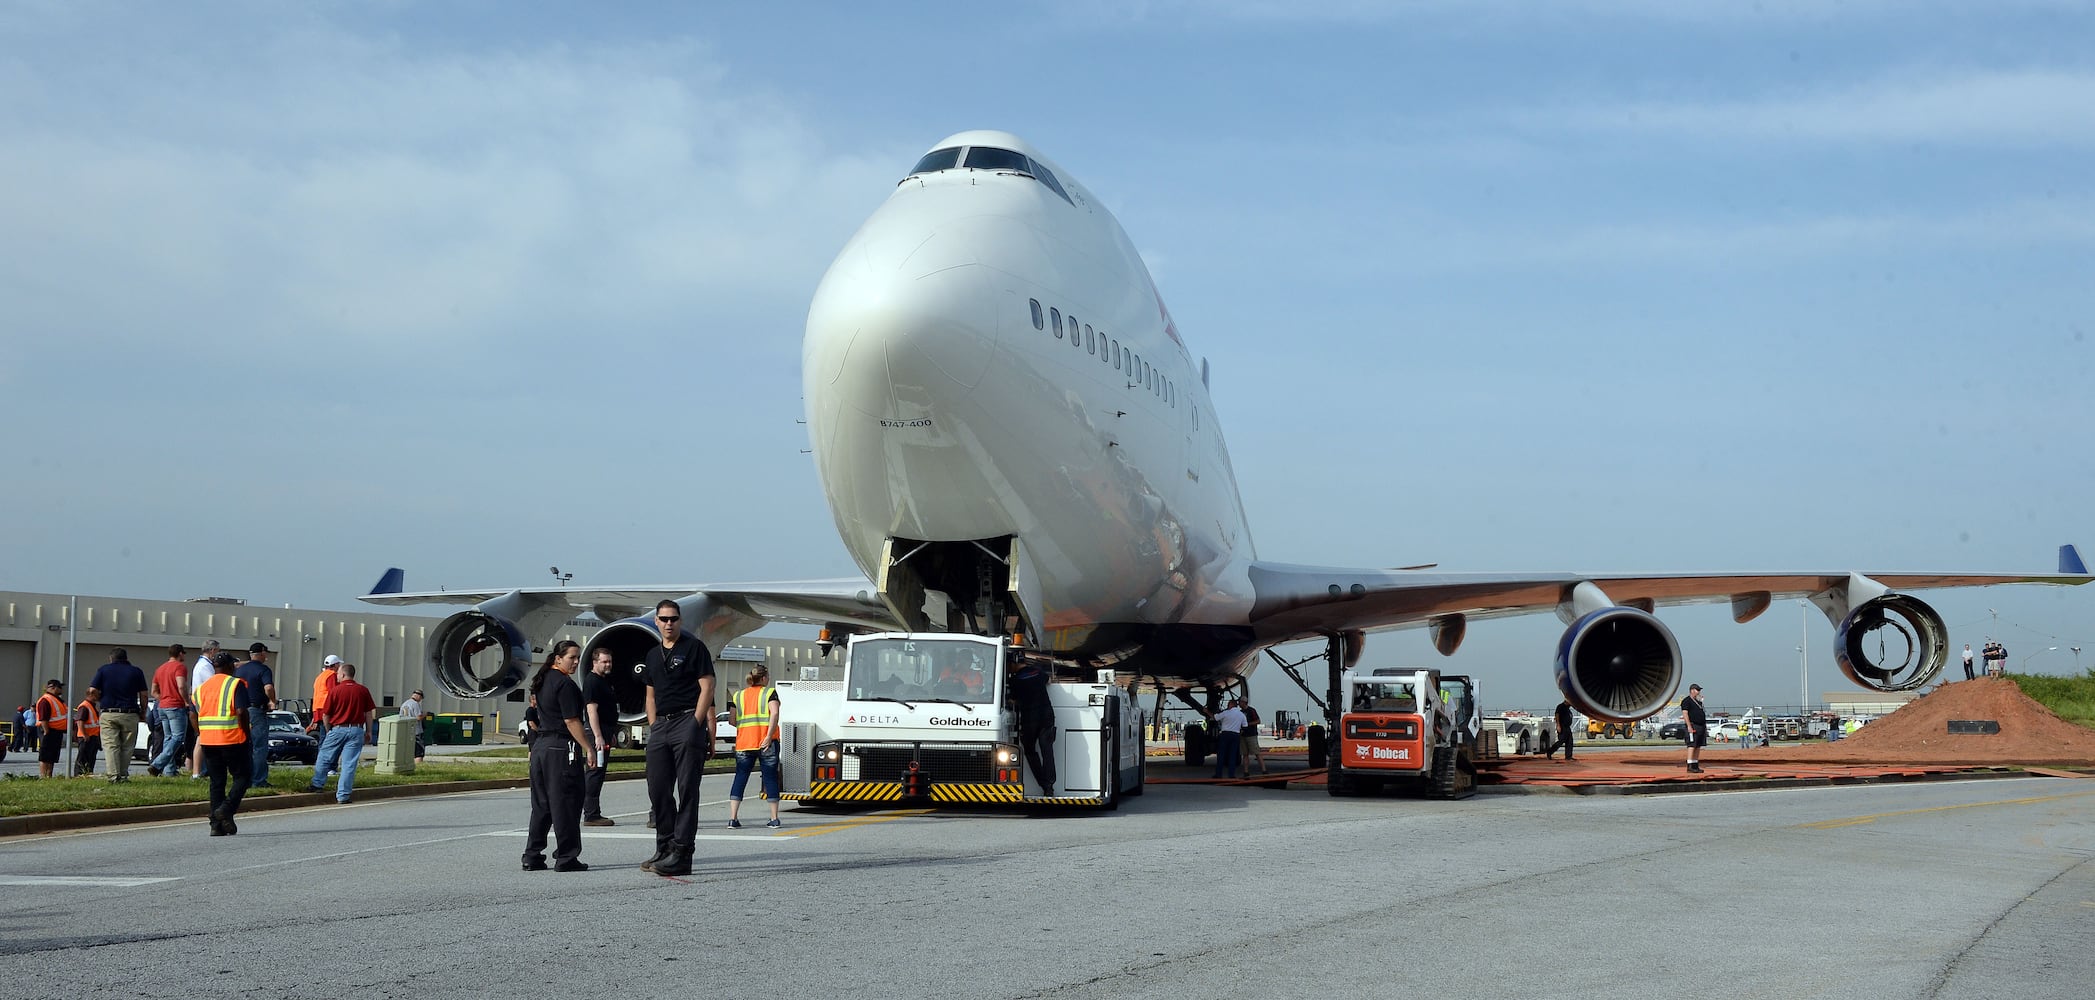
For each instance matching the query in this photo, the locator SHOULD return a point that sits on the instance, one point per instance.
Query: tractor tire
(1337, 782)
(1454, 774)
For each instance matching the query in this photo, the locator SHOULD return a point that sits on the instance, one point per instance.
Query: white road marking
(85, 881)
(757, 834)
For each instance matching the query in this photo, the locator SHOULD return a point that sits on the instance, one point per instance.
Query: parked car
(288, 739)
(1674, 731)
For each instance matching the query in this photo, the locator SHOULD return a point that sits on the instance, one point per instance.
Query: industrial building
(37, 632)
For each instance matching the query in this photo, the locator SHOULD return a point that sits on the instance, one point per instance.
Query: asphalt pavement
(1944, 889)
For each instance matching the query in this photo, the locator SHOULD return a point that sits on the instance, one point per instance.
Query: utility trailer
(930, 717)
(1406, 728)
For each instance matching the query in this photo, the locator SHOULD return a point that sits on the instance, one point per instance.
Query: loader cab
(1385, 696)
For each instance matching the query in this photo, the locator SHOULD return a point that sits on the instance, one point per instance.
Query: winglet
(395, 581)
(2069, 560)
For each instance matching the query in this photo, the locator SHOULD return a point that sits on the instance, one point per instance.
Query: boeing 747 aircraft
(1014, 438)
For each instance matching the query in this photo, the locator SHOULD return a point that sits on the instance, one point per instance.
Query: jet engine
(628, 640)
(1892, 643)
(1618, 664)
(474, 654)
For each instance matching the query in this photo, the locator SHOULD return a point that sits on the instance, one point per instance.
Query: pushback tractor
(930, 717)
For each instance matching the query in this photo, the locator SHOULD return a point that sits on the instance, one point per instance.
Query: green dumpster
(454, 728)
(438, 729)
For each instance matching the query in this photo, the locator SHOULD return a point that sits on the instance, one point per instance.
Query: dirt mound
(1919, 733)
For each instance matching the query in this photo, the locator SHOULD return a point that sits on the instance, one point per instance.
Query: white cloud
(308, 182)
(2021, 107)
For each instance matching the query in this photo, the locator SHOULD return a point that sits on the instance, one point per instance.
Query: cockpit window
(1047, 177)
(991, 158)
(937, 159)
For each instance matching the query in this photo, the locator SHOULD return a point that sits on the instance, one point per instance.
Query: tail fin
(2069, 560)
(395, 581)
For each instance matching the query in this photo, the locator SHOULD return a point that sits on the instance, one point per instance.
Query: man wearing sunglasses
(679, 675)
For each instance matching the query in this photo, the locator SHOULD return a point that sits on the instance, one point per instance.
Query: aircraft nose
(910, 318)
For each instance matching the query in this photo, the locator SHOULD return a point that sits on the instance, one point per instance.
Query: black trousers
(556, 799)
(1563, 740)
(86, 750)
(236, 760)
(676, 758)
(1036, 736)
(593, 793)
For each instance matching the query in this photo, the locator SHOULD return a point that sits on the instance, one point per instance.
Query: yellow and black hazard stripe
(973, 792)
(850, 791)
(891, 791)
(1091, 800)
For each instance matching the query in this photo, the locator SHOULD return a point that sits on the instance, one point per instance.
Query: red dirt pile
(1919, 734)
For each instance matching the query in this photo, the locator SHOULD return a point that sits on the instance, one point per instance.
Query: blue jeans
(174, 729)
(258, 731)
(1228, 746)
(342, 748)
(766, 760)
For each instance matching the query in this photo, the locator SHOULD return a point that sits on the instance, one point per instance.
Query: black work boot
(678, 863)
(218, 824)
(663, 852)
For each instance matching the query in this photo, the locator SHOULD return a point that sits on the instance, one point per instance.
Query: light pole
(1804, 660)
(2026, 660)
(559, 577)
(2076, 659)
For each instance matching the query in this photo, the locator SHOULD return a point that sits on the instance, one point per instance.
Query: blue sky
(291, 293)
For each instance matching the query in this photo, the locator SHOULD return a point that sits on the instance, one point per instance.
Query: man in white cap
(203, 672)
(321, 686)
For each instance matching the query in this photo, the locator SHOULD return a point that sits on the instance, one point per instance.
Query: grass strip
(24, 796)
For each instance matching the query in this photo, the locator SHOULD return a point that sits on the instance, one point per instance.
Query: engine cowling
(474, 654)
(1910, 649)
(1618, 664)
(628, 639)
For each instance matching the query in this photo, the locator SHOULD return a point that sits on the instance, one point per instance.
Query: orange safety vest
(321, 686)
(90, 727)
(218, 722)
(753, 717)
(50, 713)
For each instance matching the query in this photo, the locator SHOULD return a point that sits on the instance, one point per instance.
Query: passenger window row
(1140, 373)
(989, 158)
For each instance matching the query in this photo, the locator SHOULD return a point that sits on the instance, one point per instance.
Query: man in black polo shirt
(1698, 725)
(600, 701)
(679, 677)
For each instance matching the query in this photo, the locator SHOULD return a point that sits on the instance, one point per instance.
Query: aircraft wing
(815, 602)
(1296, 602)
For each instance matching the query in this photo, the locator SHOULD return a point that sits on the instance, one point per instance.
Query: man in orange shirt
(321, 686)
(171, 696)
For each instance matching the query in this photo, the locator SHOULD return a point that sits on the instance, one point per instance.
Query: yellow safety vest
(753, 716)
(218, 724)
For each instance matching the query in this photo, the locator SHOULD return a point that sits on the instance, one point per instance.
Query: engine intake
(1618, 664)
(473, 654)
(1911, 646)
(628, 640)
